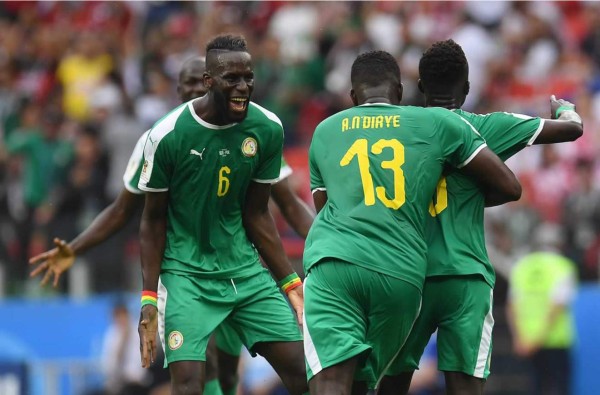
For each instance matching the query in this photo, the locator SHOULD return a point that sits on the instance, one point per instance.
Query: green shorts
(228, 340)
(460, 308)
(352, 311)
(191, 308)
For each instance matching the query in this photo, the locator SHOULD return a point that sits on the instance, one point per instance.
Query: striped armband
(149, 297)
(289, 282)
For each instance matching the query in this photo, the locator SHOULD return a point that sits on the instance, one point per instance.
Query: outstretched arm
(153, 233)
(496, 180)
(295, 211)
(262, 232)
(106, 224)
(565, 125)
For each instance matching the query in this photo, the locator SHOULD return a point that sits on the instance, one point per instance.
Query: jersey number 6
(223, 181)
(360, 149)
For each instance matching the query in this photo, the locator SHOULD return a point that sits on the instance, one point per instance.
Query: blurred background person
(542, 289)
(121, 356)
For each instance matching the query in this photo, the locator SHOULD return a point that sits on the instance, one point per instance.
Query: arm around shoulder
(497, 181)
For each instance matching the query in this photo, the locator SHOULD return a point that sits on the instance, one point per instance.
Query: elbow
(513, 190)
(577, 131)
(516, 191)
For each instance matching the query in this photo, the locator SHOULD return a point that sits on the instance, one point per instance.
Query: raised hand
(556, 104)
(54, 262)
(147, 329)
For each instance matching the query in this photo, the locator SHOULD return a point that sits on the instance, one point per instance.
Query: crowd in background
(81, 81)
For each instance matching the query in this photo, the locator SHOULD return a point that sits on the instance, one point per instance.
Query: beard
(224, 110)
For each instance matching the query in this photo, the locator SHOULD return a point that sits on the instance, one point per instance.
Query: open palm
(53, 262)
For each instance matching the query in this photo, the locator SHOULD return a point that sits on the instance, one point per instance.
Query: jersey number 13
(360, 150)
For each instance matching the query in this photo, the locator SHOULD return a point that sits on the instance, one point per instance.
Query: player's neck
(445, 101)
(378, 99)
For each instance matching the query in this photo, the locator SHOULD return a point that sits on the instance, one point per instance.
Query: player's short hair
(443, 64)
(227, 42)
(374, 67)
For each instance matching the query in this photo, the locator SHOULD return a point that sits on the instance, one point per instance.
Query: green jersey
(131, 178)
(207, 169)
(458, 202)
(379, 165)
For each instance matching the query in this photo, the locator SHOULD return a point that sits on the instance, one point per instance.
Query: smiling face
(230, 79)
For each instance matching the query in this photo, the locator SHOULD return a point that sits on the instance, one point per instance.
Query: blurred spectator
(581, 215)
(113, 64)
(39, 157)
(121, 357)
(542, 288)
(80, 73)
(550, 184)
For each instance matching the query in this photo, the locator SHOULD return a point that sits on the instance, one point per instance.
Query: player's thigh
(189, 310)
(392, 311)
(262, 313)
(337, 297)
(465, 331)
(335, 320)
(228, 340)
(410, 354)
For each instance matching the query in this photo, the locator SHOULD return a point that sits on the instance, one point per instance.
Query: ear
(420, 85)
(467, 87)
(353, 97)
(207, 79)
(400, 91)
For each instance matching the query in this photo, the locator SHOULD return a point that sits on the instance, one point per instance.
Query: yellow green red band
(289, 282)
(149, 297)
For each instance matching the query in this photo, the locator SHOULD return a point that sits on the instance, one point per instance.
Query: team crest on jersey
(249, 147)
(145, 167)
(175, 340)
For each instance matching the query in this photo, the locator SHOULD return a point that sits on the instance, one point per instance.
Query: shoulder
(262, 114)
(167, 124)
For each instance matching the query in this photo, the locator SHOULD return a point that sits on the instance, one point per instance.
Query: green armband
(562, 108)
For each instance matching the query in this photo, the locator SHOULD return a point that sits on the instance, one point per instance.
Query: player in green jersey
(373, 170)
(115, 216)
(457, 294)
(208, 166)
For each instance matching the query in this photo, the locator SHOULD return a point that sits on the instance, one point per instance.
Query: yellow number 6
(441, 198)
(223, 181)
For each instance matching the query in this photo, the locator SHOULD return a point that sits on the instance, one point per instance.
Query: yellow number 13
(360, 149)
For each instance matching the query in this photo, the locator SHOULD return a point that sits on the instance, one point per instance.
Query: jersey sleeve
(316, 180)
(270, 165)
(133, 171)
(507, 133)
(460, 141)
(284, 172)
(158, 163)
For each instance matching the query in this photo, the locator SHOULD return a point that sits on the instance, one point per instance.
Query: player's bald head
(195, 65)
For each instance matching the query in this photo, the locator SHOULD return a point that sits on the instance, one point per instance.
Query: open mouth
(238, 104)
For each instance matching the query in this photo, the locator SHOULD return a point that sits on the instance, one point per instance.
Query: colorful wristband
(564, 108)
(149, 297)
(289, 282)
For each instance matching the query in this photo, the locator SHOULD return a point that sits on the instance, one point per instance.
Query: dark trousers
(552, 370)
